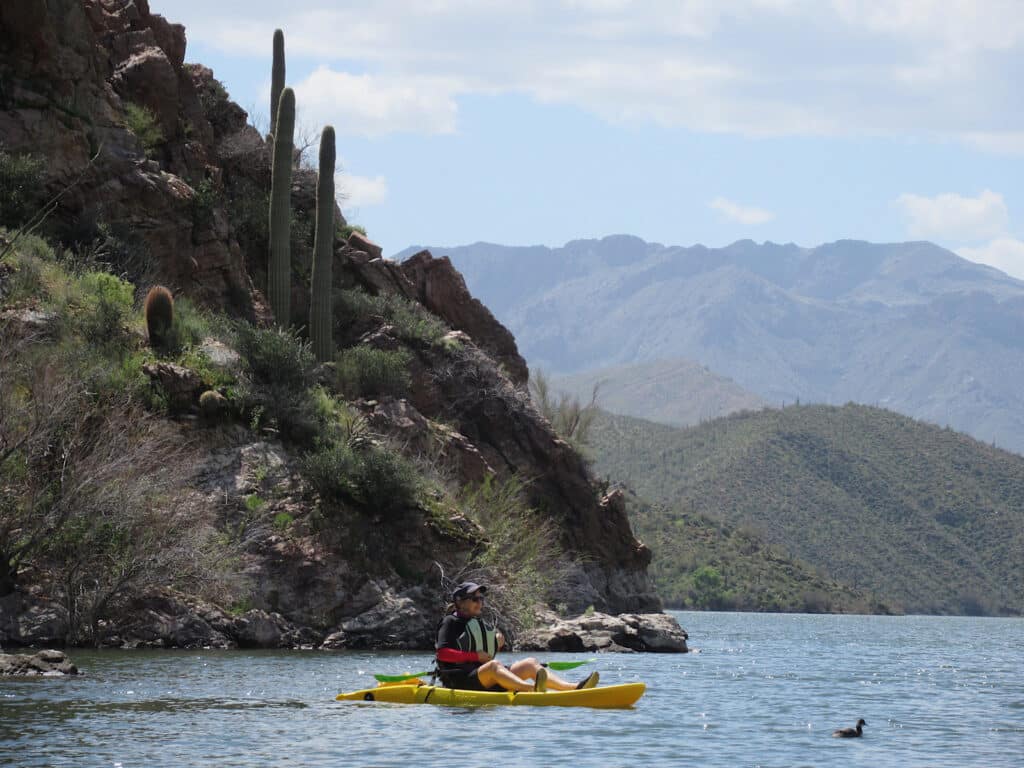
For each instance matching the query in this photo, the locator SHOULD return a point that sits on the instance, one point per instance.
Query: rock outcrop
(69, 69)
(653, 632)
(192, 200)
(47, 663)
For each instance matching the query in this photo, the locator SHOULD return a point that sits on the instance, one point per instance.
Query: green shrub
(205, 198)
(331, 470)
(21, 187)
(386, 480)
(142, 122)
(366, 371)
(411, 320)
(277, 374)
(104, 307)
(345, 231)
(373, 477)
(282, 520)
(522, 556)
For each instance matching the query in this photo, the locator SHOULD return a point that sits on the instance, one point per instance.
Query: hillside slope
(907, 326)
(676, 392)
(921, 516)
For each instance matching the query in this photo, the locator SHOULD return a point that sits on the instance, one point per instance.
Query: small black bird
(850, 733)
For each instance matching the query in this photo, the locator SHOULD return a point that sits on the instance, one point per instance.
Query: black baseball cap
(467, 588)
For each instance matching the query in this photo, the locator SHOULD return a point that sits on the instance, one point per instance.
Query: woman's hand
(501, 640)
(483, 656)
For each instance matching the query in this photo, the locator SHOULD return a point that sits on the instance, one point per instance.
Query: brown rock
(441, 289)
(360, 242)
(48, 663)
(181, 385)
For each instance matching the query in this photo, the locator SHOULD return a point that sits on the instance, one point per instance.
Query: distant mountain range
(908, 326)
(925, 519)
(676, 392)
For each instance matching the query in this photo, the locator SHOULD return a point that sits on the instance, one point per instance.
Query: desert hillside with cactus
(225, 419)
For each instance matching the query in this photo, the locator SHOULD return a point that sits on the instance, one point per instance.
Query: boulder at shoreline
(651, 632)
(48, 663)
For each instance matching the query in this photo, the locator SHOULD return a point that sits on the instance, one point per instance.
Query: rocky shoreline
(169, 619)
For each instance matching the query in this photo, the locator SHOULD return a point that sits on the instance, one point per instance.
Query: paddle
(558, 666)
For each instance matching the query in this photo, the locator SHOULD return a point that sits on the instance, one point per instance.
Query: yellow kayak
(606, 697)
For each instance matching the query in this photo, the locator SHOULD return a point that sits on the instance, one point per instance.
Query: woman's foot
(590, 681)
(540, 682)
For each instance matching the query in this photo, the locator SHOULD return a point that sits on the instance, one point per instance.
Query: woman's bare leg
(494, 673)
(527, 670)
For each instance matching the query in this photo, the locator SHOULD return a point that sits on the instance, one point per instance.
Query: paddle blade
(399, 678)
(563, 665)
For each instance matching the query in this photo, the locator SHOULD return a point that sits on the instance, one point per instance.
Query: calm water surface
(766, 690)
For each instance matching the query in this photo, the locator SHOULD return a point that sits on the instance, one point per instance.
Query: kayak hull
(602, 697)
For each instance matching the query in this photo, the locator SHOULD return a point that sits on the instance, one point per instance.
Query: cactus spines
(279, 272)
(320, 312)
(159, 308)
(276, 77)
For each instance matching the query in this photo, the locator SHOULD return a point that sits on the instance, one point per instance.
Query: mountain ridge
(908, 326)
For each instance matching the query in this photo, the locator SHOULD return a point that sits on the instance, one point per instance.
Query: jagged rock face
(440, 288)
(492, 414)
(68, 69)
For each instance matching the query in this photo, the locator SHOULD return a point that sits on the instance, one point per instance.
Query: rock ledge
(46, 663)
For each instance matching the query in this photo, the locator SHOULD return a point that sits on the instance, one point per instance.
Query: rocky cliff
(185, 205)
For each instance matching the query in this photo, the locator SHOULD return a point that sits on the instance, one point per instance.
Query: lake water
(766, 690)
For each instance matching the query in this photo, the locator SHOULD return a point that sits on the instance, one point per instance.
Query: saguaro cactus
(320, 310)
(279, 272)
(159, 309)
(276, 77)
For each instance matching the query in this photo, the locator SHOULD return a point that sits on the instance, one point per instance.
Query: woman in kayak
(466, 648)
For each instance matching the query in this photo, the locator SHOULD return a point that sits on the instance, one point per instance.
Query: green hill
(926, 518)
(703, 563)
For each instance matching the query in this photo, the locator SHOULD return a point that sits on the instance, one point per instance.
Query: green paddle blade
(563, 665)
(400, 678)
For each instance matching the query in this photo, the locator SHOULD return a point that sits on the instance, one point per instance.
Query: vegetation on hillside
(925, 518)
(97, 469)
(701, 563)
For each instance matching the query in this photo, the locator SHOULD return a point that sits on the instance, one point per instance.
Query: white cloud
(955, 217)
(1004, 253)
(742, 213)
(926, 68)
(371, 105)
(360, 191)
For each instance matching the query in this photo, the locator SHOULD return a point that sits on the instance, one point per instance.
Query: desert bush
(366, 371)
(522, 557)
(570, 419)
(374, 477)
(205, 198)
(142, 122)
(275, 381)
(411, 321)
(21, 187)
(103, 307)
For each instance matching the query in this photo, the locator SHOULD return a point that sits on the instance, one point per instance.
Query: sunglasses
(476, 598)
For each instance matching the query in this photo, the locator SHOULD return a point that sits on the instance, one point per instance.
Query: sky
(526, 122)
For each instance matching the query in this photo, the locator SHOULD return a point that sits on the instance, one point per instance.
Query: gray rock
(625, 633)
(395, 621)
(47, 663)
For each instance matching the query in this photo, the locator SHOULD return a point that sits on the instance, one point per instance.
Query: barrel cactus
(276, 77)
(320, 314)
(279, 272)
(159, 310)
